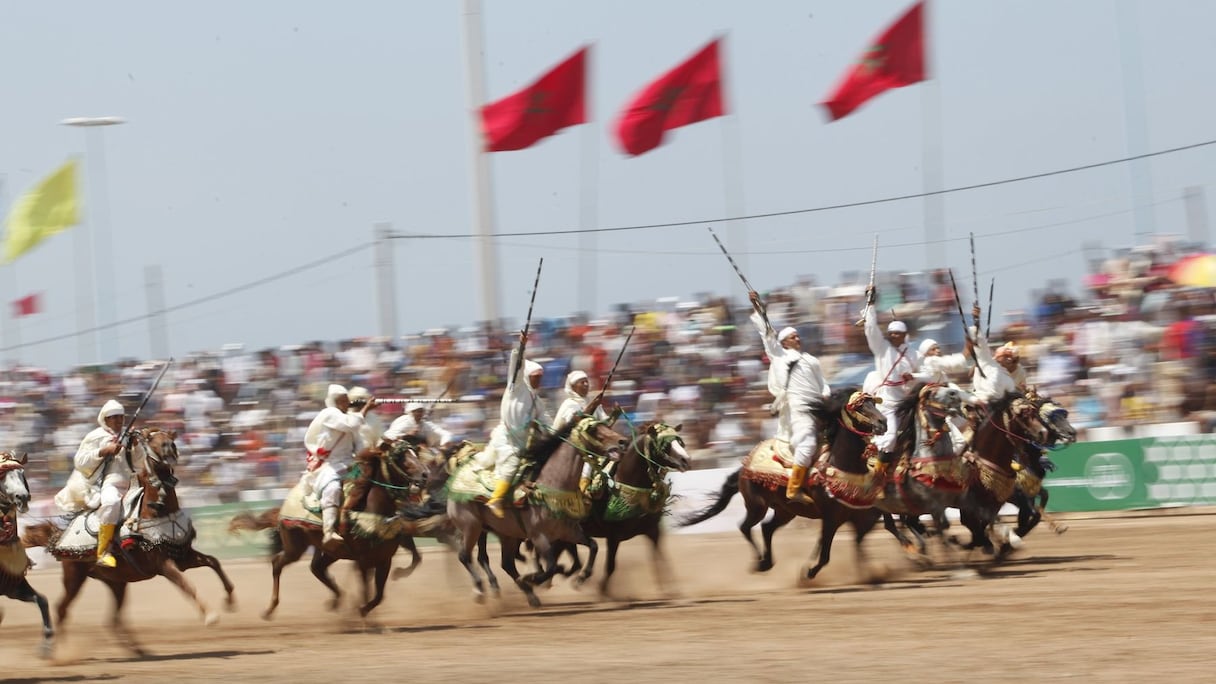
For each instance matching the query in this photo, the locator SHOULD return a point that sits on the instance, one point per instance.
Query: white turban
(786, 332)
(413, 406)
(110, 408)
(331, 396)
(897, 326)
(532, 367)
(926, 345)
(574, 377)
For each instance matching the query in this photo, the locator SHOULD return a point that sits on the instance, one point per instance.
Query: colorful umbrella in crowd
(1197, 270)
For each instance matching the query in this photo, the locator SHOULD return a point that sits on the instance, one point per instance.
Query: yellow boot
(793, 489)
(583, 484)
(495, 503)
(105, 535)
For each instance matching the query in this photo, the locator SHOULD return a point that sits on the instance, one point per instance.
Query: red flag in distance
(894, 59)
(26, 306)
(689, 93)
(555, 101)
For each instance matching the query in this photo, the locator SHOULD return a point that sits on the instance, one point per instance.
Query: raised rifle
(594, 404)
(125, 436)
(870, 294)
(966, 334)
(523, 338)
(763, 309)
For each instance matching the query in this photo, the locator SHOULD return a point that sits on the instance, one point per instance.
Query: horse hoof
(533, 601)
(402, 573)
(479, 597)
(230, 605)
(764, 565)
(578, 582)
(211, 618)
(332, 605)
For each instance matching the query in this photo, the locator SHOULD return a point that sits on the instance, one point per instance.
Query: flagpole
(933, 166)
(732, 176)
(589, 208)
(1135, 119)
(487, 257)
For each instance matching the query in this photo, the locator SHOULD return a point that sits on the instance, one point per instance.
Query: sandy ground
(1114, 600)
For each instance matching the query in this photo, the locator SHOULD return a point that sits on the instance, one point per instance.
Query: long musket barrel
(608, 381)
(958, 302)
(731, 260)
(870, 288)
(975, 282)
(407, 400)
(126, 428)
(988, 326)
(523, 341)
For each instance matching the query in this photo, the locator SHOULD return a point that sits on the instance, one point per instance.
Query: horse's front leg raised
(408, 544)
(25, 592)
(320, 569)
(201, 560)
(171, 572)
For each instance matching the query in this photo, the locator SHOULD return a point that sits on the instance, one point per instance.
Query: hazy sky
(264, 136)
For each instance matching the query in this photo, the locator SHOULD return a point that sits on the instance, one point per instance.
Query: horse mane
(827, 410)
(1001, 404)
(905, 413)
(542, 451)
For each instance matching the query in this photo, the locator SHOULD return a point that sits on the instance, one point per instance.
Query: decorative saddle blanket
(766, 464)
(79, 536)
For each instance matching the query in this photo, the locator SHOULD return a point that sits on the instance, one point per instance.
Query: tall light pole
(103, 295)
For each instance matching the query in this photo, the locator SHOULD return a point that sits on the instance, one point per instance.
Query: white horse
(15, 499)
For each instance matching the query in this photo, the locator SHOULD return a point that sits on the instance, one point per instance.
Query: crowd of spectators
(1136, 347)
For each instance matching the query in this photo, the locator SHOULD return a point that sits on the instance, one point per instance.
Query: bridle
(854, 419)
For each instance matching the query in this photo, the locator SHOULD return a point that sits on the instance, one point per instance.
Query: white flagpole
(589, 204)
(933, 166)
(732, 175)
(483, 197)
(1135, 123)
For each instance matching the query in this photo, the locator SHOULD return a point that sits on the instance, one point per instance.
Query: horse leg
(781, 518)
(382, 569)
(1028, 513)
(863, 521)
(292, 550)
(756, 509)
(202, 560)
(171, 572)
(609, 563)
(408, 544)
(483, 559)
(509, 549)
(25, 592)
(320, 569)
(831, 523)
(1058, 528)
(74, 575)
(593, 550)
(126, 638)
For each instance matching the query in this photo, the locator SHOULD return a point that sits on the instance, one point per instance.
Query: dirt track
(1112, 600)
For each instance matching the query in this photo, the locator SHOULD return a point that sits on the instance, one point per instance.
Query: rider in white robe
(97, 482)
(331, 440)
(894, 363)
(575, 403)
(521, 408)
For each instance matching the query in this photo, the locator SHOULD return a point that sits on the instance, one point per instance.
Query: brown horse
(843, 489)
(553, 510)
(1010, 425)
(380, 521)
(157, 542)
(636, 500)
(15, 499)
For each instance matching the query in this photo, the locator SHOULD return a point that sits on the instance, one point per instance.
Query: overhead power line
(812, 210)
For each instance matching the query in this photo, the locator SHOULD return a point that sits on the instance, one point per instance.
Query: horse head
(946, 400)
(597, 437)
(662, 445)
(14, 488)
(1055, 417)
(860, 414)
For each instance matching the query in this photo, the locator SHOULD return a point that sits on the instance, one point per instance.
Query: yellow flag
(48, 208)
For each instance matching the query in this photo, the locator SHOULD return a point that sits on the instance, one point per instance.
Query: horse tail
(248, 521)
(39, 534)
(729, 488)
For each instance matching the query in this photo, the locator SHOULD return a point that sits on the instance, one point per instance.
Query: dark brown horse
(15, 499)
(637, 498)
(553, 510)
(378, 524)
(1029, 495)
(157, 543)
(1010, 424)
(843, 488)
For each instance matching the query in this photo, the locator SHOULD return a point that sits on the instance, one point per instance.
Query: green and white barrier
(1127, 474)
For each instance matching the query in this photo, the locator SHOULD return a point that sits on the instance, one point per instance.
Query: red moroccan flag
(556, 100)
(895, 59)
(26, 306)
(689, 93)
